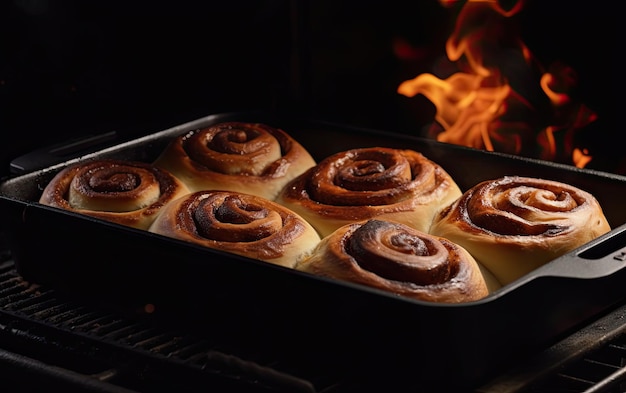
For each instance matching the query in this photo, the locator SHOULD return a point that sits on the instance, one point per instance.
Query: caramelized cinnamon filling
(232, 141)
(117, 182)
(234, 220)
(395, 253)
(522, 207)
(233, 148)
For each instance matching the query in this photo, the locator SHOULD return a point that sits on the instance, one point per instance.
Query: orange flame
(478, 107)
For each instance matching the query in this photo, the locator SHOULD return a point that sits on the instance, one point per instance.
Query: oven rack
(590, 360)
(52, 341)
(68, 344)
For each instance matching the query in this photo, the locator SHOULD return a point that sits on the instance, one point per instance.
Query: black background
(74, 67)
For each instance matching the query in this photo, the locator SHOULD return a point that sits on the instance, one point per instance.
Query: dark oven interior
(74, 69)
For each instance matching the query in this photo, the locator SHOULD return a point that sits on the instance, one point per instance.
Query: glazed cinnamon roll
(238, 223)
(396, 258)
(512, 225)
(245, 157)
(365, 183)
(125, 192)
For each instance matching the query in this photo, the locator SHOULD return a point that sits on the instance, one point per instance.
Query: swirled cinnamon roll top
(238, 223)
(513, 224)
(396, 258)
(125, 192)
(252, 158)
(364, 183)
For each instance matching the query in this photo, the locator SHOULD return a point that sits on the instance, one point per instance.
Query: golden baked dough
(125, 192)
(238, 223)
(365, 183)
(396, 258)
(252, 158)
(512, 225)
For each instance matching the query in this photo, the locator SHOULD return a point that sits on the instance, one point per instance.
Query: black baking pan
(311, 320)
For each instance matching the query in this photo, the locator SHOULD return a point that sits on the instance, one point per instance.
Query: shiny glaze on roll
(239, 223)
(399, 259)
(365, 183)
(253, 158)
(514, 224)
(125, 192)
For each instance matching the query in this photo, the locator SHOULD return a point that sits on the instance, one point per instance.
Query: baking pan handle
(598, 258)
(50, 155)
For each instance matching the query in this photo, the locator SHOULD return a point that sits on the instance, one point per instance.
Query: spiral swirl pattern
(234, 148)
(364, 183)
(514, 224)
(126, 192)
(399, 259)
(239, 223)
(523, 206)
(236, 156)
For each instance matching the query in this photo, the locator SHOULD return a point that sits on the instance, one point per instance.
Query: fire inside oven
(531, 78)
(523, 77)
(520, 77)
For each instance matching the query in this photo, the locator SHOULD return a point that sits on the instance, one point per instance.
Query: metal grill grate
(101, 347)
(600, 371)
(39, 323)
(590, 360)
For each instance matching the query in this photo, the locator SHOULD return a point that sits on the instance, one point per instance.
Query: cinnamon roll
(364, 183)
(396, 258)
(252, 158)
(238, 223)
(512, 225)
(125, 192)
